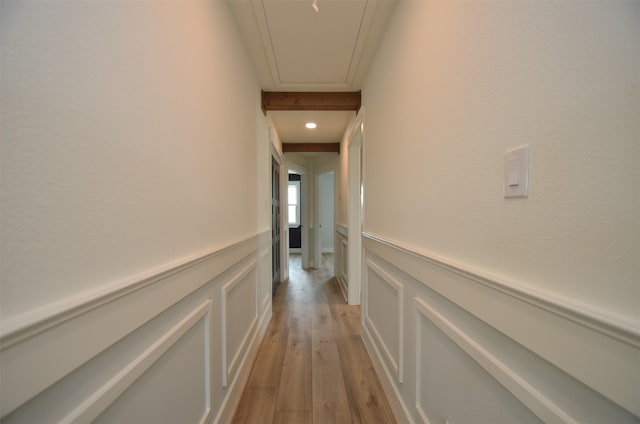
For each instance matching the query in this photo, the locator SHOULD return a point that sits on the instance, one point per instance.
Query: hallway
(312, 365)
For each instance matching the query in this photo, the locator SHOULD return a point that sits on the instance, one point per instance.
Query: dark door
(275, 224)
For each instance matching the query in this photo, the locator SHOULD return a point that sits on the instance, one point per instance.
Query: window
(293, 203)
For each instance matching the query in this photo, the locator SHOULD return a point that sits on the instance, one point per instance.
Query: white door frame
(322, 170)
(284, 234)
(305, 204)
(355, 218)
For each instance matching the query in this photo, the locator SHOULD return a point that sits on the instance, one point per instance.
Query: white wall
(326, 208)
(342, 179)
(119, 142)
(454, 86)
(130, 135)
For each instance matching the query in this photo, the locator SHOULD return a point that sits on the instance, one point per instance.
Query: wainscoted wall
(452, 344)
(340, 258)
(175, 345)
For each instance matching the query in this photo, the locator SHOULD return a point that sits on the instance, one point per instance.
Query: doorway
(355, 209)
(275, 225)
(325, 212)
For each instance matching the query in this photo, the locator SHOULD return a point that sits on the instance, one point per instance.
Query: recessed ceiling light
(310, 125)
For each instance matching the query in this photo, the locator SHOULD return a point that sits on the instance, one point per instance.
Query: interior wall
(455, 85)
(342, 179)
(118, 142)
(529, 304)
(135, 224)
(326, 209)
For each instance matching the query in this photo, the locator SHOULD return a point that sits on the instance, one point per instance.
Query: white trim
(358, 49)
(235, 388)
(605, 322)
(342, 265)
(398, 407)
(342, 230)
(397, 364)
(277, 155)
(29, 324)
(50, 331)
(357, 125)
(306, 196)
(297, 222)
(100, 400)
(526, 315)
(537, 403)
(355, 208)
(228, 369)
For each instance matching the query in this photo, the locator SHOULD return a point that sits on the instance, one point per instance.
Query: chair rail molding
(108, 339)
(592, 354)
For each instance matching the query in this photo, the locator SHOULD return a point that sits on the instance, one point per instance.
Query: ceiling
(331, 125)
(295, 48)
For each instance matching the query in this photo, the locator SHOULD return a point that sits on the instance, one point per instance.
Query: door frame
(305, 215)
(276, 155)
(355, 208)
(328, 168)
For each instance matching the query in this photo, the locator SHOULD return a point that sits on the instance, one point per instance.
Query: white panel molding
(264, 258)
(23, 326)
(618, 327)
(265, 302)
(578, 330)
(542, 407)
(400, 410)
(29, 341)
(342, 230)
(396, 363)
(229, 367)
(98, 401)
(235, 388)
(341, 259)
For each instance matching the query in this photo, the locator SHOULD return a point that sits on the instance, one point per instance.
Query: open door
(275, 224)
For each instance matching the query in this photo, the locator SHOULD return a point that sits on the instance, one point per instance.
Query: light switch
(516, 172)
(513, 179)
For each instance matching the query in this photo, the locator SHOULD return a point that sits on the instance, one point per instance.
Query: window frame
(296, 184)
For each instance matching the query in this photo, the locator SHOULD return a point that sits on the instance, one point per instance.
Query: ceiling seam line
(364, 13)
(275, 57)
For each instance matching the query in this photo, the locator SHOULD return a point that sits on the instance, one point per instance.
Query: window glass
(293, 205)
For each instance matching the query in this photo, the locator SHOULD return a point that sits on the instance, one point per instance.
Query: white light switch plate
(516, 172)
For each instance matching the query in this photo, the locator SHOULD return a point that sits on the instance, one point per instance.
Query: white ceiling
(295, 48)
(291, 129)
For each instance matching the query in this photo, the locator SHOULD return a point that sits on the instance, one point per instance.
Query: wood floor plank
(330, 402)
(294, 391)
(366, 398)
(267, 367)
(256, 406)
(293, 417)
(362, 384)
(312, 366)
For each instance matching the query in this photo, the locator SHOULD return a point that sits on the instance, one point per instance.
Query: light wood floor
(312, 366)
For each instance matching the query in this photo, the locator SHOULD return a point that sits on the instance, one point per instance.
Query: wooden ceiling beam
(311, 148)
(293, 100)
